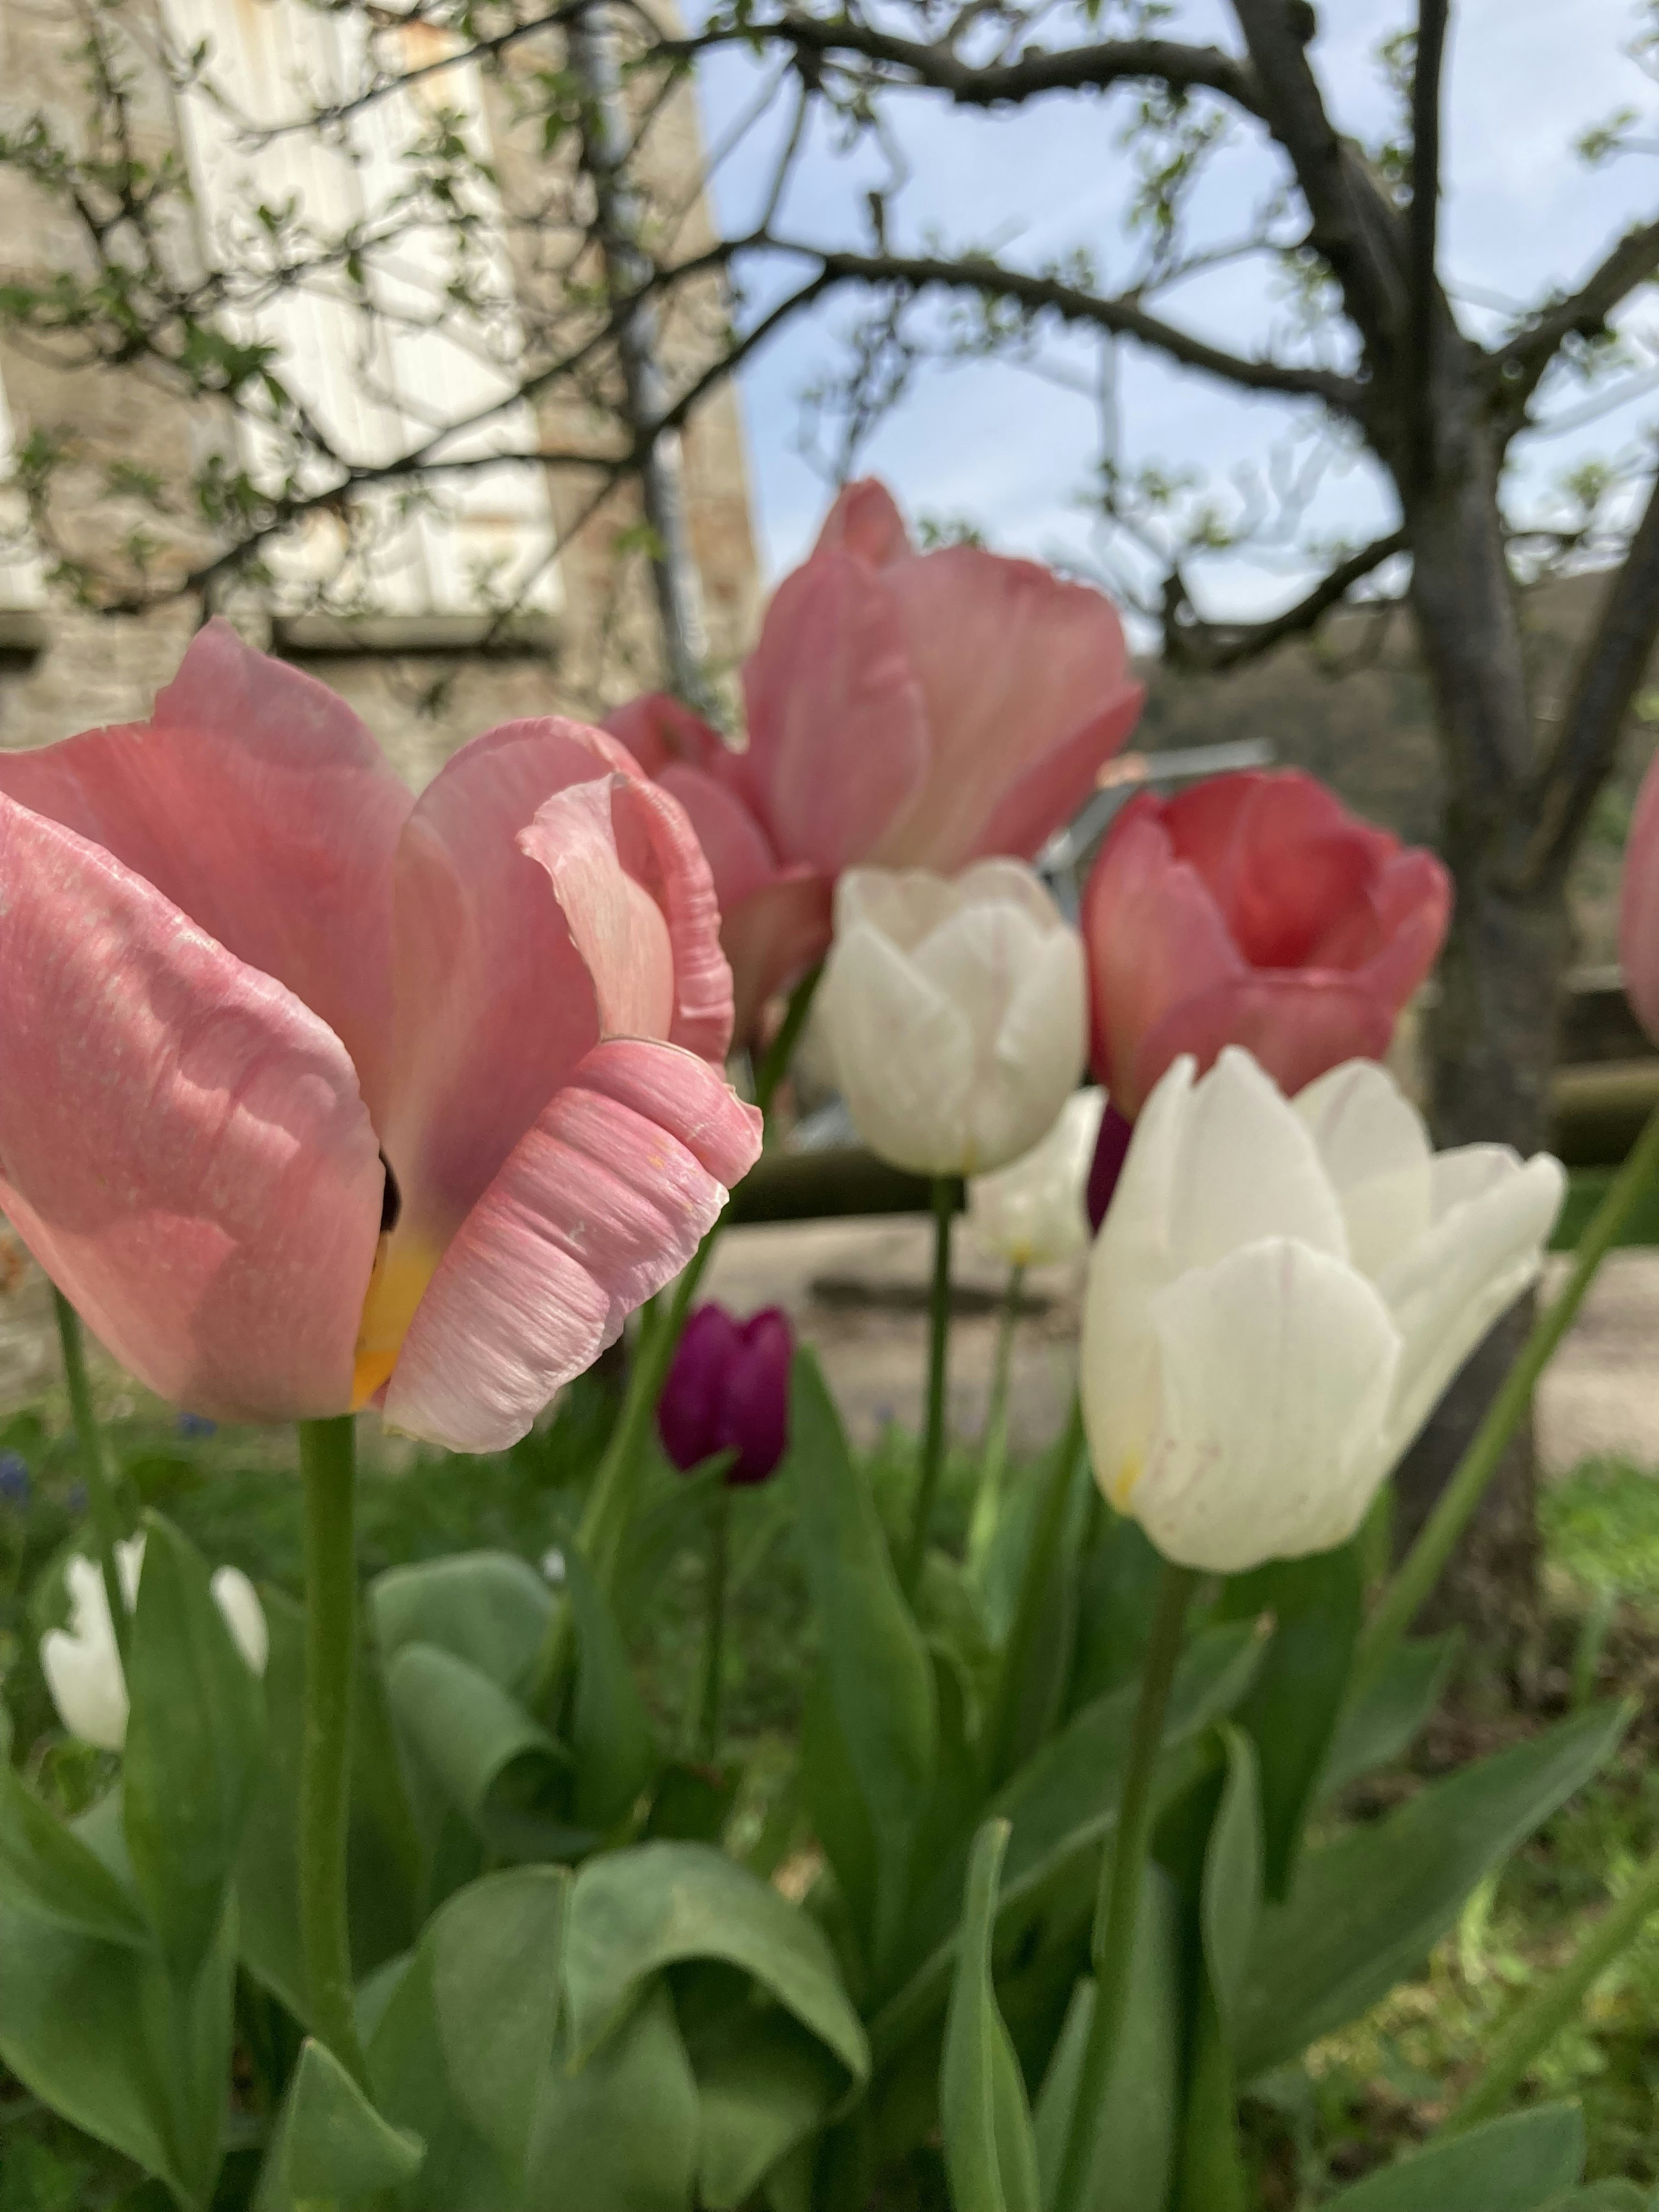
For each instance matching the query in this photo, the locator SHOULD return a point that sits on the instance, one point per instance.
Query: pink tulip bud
(1253, 910)
(728, 1390)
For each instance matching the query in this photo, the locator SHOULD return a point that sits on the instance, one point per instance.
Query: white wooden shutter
(377, 391)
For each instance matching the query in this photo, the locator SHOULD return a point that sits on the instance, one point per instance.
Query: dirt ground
(857, 1290)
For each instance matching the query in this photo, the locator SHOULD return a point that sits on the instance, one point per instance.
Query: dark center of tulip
(392, 1200)
(1111, 1148)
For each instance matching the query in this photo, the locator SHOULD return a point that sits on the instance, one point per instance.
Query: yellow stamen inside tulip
(1121, 1485)
(402, 1268)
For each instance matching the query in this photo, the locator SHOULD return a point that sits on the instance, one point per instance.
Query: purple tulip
(728, 1390)
(1111, 1150)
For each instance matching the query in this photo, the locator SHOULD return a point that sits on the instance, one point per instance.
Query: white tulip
(1036, 1210)
(82, 1665)
(954, 1012)
(1280, 1294)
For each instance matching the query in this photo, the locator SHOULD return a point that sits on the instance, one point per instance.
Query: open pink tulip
(1638, 906)
(1253, 910)
(909, 710)
(317, 1094)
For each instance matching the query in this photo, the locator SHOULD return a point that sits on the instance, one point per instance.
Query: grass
(1363, 2094)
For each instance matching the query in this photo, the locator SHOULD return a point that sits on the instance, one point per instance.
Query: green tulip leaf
(490, 1609)
(1367, 1909)
(413, 2091)
(1136, 2137)
(611, 1741)
(1382, 1722)
(764, 2085)
(622, 2128)
(990, 2152)
(1213, 2176)
(331, 2146)
(47, 1870)
(634, 1912)
(497, 1949)
(1293, 1707)
(193, 1748)
(488, 1758)
(1036, 1660)
(1518, 2164)
(878, 1682)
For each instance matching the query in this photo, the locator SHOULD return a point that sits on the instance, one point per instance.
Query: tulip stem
(1548, 2011)
(939, 1344)
(1117, 1908)
(327, 1470)
(1421, 1568)
(720, 1561)
(993, 1463)
(774, 1065)
(94, 1467)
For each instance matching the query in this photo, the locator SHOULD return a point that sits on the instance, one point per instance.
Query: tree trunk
(1491, 1030)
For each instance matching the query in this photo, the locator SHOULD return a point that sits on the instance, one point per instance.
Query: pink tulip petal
(601, 1203)
(773, 936)
(1413, 902)
(838, 741)
(1287, 863)
(739, 851)
(1014, 664)
(659, 731)
(1050, 793)
(183, 1144)
(1155, 937)
(866, 522)
(256, 803)
(1298, 1024)
(494, 1003)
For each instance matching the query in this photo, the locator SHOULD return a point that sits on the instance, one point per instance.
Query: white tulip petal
(245, 1617)
(88, 1688)
(1118, 1362)
(1009, 883)
(1475, 1262)
(1038, 1055)
(1469, 1171)
(1375, 1152)
(1034, 1212)
(1249, 1169)
(1277, 1367)
(977, 958)
(905, 904)
(903, 1053)
(129, 1568)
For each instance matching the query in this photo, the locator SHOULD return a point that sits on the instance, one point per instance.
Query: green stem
(1421, 1568)
(939, 1343)
(1121, 1872)
(328, 1477)
(94, 1467)
(1545, 2014)
(782, 1050)
(993, 1463)
(720, 1562)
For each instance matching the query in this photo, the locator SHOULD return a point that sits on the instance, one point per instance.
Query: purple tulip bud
(1111, 1150)
(728, 1390)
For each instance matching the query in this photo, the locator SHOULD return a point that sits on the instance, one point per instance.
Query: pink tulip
(1253, 910)
(905, 709)
(1639, 907)
(240, 968)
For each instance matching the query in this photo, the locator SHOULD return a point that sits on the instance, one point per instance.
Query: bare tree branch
(1610, 666)
(1353, 226)
(979, 273)
(1517, 365)
(1213, 647)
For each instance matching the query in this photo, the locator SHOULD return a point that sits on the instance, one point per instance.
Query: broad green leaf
(880, 1682)
(412, 2090)
(764, 2085)
(497, 1950)
(1135, 2149)
(1518, 2164)
(1035, 1666)
(1379, 1725)
(384, 1873)
(1212, 2170)
(990, 2152)
(1063, 1806)
(611, 1741)
(331, 2146)
(1367, 1909)
(1293, 1706)
(1605, 2196)
(622, 2130)
(634, 1912)
(45, 1869)
(491, 1608)
(193, 1750)
(1117, 1592)
(692, 1803)
(493, 1763)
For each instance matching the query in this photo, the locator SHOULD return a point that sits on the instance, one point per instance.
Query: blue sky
(991, 444)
